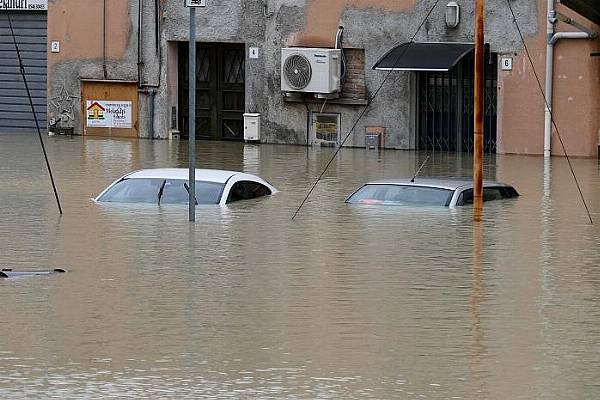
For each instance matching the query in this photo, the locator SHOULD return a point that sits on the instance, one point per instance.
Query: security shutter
(15, 111)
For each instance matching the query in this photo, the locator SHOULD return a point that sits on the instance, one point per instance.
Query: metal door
(445, 114)
(220, 90)
(15, 111)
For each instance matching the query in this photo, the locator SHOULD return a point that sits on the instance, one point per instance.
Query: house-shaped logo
(95, 112)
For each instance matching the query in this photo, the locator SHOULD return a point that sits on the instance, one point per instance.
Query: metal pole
(35, 118)
(192, 117)
(479, 113)
(549, 76)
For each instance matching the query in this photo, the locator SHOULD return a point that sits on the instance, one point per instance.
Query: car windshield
(170, 191)
(388, 194)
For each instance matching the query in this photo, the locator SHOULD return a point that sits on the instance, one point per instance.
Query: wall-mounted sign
(55, 47)
(192, 3)
(24, 5)
(506, 63)
(253, 52)
(108, 114)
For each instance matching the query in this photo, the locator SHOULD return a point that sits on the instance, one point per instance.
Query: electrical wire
(551, 113)
(364, 110)
(37, 125)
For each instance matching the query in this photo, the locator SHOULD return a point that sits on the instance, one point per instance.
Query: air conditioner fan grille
(297, 71)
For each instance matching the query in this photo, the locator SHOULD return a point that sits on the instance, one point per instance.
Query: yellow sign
(95, 112)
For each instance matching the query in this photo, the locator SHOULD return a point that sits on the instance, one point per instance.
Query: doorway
(220, 90)
(445, 115)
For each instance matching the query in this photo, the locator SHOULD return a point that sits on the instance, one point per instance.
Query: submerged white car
(170, 186)
(428, 192)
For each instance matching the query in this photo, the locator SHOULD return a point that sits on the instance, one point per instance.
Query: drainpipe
(551, 39)
(140, 38)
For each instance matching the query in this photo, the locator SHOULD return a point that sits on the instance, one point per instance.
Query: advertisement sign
(108, 114)
(24, 5)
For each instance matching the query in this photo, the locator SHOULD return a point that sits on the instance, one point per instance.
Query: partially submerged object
(169, 186)
(428, 192)
(10, 273)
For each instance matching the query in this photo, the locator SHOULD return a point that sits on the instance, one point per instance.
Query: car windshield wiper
(187, 188)
(161, 190)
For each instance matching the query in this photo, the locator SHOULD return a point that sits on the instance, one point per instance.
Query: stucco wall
(79, 26)
(374, 25)
(576, 88)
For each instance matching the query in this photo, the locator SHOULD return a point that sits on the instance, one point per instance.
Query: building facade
(130, 58)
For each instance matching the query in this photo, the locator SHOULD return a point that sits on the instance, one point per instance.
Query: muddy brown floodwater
(345, 302)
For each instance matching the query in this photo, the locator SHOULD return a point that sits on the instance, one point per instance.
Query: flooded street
(344, 302)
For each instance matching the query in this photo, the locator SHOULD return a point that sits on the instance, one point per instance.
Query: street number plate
(195, 3)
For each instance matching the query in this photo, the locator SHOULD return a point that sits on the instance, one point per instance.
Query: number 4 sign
(195, 3)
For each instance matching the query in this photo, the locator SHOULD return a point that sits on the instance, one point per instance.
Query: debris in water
(10, 273)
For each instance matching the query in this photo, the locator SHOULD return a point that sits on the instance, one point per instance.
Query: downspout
(150, 89)
(104, 71)
(551, 39)
(140, 63)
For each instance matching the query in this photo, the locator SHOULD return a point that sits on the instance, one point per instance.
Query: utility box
(252, 127)
(372, 141)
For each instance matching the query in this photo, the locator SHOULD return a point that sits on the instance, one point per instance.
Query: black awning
(588, 8)
(414, 56)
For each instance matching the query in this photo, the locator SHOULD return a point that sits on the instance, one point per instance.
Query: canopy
(588, 8)
(415, 56)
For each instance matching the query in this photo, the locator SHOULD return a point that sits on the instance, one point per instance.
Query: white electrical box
(252, 127)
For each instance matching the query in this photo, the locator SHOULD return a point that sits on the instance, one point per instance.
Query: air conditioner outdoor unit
(310, 70)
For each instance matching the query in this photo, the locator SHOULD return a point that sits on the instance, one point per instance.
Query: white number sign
(195, 3)
(506, 63)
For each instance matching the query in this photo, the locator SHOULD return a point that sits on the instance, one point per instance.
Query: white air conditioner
(310, 70)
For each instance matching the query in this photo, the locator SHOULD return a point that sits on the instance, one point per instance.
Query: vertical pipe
(478, 113)
(140, 62)
(104, 71)
(192, 116)
(549, 77)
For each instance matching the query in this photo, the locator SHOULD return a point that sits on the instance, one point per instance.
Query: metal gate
(15, 111)
(445, 107)
(220, 90)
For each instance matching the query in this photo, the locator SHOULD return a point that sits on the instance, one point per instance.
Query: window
(401, 194)
(326, 128)
(171, 191)
(245, 190)
(489, 194)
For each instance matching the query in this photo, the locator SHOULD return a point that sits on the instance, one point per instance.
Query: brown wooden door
(92, 91)
(220, 90)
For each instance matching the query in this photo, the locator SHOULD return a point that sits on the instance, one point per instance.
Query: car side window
(466, 197)
(245, 190)
(489, 194)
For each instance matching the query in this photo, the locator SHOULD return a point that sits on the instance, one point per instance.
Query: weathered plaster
(575, 105)
(373, 25)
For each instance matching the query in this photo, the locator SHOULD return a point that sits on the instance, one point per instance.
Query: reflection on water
(345, 302)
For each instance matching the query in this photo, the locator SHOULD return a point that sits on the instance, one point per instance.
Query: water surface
(344, 302)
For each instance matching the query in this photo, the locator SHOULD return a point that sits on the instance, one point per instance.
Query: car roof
(441, 183)
(207, 175)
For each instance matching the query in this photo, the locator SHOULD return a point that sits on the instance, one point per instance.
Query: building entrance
(220, 90)
(445, 107)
